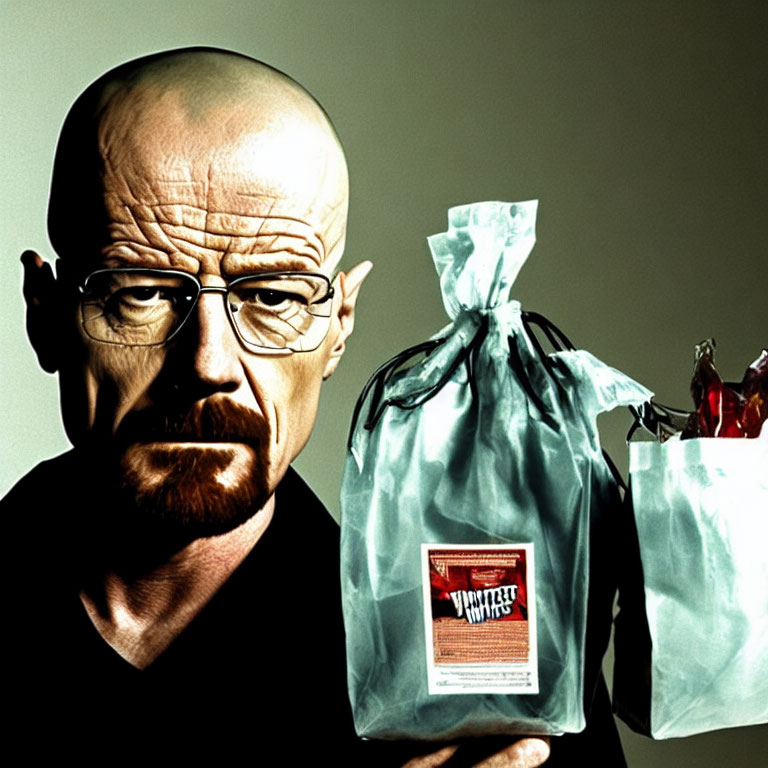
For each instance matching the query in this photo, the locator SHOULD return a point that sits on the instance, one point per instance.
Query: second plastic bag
(691, 650)
(473, 484)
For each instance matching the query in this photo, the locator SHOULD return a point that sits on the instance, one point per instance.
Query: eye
(142, 296)
(273, 298)
(269, 297)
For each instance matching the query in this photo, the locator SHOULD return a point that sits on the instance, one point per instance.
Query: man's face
(201, 429)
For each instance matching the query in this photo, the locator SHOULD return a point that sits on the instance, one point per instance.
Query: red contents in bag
(754, 387)
(720, 410)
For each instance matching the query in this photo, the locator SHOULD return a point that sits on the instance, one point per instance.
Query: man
(175, 583)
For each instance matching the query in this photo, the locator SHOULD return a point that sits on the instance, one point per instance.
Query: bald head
(197, 154)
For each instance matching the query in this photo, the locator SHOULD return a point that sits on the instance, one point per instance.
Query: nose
(216, 357)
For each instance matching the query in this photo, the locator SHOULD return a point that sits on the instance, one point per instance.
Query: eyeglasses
(147, 307)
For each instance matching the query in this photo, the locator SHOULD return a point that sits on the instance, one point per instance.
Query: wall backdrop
(639, 126)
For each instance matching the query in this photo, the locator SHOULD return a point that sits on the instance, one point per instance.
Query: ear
(349, 287)
(41, 297)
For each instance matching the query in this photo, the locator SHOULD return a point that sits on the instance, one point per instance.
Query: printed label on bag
(480, 618)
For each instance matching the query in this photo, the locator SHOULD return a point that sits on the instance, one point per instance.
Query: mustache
(216, 420)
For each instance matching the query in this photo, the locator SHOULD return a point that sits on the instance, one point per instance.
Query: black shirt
(260, 671)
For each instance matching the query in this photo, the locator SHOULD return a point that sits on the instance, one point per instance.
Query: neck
(141, 614)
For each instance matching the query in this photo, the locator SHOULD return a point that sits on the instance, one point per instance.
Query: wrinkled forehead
(213, 176)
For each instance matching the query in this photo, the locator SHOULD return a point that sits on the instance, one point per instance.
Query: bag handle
(385, 372)
(660, 420)
(378, 380)
(560, 343)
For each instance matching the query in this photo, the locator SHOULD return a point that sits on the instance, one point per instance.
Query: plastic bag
(691, 649)
(472, 482)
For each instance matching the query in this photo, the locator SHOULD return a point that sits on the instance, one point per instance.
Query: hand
(528, 752)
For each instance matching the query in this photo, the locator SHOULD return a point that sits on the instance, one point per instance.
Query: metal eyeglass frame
(201, 289)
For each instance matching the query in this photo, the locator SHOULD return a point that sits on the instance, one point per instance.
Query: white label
(480, 618)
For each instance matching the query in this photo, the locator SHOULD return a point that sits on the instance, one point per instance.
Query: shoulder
(45, 481)
(299, 507)
(293, 487)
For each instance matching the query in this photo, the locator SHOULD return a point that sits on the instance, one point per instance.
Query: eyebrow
(245, 265)
(146, 258)
(232, 264)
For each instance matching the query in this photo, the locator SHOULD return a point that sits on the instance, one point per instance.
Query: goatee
(167, 485)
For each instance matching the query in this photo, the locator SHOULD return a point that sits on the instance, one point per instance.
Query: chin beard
(202, 491)
(165, 488)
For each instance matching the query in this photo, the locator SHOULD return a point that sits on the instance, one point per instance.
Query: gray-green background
(640, 127)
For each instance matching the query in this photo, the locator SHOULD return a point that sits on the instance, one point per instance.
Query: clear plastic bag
(691, 648)
(486, 441)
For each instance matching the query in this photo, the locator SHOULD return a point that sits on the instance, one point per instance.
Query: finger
(525, 753)
(432, 760)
